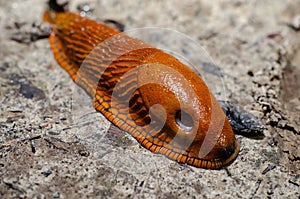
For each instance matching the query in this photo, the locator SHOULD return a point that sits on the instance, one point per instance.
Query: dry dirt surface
(54, 145)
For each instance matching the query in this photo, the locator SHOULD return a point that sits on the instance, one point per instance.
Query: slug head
(192, 127)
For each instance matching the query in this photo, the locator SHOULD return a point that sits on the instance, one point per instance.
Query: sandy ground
(54, 145)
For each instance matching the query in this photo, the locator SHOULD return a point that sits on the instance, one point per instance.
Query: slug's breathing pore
(161, 102)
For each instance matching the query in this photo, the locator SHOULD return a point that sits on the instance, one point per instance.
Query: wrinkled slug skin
(162, 103)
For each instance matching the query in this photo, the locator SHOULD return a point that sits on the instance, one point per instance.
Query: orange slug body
(161, 102)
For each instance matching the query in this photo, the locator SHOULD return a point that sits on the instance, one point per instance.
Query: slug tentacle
(161, 102)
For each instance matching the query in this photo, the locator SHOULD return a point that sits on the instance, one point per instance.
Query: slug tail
(59, 20)
(49, 16)
(53, 8)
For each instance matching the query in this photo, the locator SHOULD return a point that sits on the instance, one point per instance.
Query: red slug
(161, 102)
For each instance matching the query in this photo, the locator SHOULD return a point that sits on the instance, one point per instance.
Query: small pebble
(53, 133)
(296, 23)
(84, 153)
(56, 195)
(46, 173)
